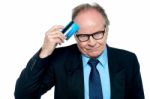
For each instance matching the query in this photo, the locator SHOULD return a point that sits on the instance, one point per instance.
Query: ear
(106, 29)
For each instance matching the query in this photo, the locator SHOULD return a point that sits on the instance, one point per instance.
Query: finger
(58, 41)
(57, 34)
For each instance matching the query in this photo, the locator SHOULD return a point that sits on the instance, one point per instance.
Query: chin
(95, 55)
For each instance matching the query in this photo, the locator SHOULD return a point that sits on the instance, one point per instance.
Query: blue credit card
(70, 29)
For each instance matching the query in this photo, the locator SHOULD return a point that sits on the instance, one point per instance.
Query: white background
(23, 24)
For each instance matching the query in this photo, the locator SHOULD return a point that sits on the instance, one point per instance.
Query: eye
(82, 37)
(98, 35)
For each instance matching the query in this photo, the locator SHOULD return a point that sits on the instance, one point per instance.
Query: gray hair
(87, 6)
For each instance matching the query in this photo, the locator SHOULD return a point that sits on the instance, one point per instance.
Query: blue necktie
(95, 88)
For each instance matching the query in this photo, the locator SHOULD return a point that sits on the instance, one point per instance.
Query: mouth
(91, 49)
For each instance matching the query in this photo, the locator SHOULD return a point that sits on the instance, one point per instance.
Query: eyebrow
(99, 31)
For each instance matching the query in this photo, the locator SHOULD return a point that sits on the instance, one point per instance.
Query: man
(71, 69)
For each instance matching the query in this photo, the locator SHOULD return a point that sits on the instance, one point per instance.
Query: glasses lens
(85, 37)
(82, 37)
(98, 35)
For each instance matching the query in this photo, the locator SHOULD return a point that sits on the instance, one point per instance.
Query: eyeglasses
(85, 37)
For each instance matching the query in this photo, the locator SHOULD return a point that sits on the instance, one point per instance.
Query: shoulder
(120, 53)
(124, 58)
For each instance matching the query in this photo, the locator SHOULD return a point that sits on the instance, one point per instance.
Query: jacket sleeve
(35, 79)
(137, 86)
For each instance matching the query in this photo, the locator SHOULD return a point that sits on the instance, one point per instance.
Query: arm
(137, 86)
(33, 81)
(38, 76)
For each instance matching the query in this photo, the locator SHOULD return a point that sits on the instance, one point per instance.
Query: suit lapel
(117, 75)
(74, 70)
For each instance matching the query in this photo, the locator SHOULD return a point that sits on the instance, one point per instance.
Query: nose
(91, 41)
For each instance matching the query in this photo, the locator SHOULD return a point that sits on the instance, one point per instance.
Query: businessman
(89, 69)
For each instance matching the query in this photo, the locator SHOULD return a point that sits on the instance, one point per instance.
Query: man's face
(90, 22)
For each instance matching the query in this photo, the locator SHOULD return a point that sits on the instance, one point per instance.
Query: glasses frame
(88, 36)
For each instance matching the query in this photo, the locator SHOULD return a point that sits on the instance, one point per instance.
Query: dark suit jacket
(63, 69)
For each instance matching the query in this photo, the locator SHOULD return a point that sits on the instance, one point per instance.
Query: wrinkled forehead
(89, 14)
(90, 21)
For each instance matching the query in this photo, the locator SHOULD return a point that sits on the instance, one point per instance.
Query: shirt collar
(103, 58)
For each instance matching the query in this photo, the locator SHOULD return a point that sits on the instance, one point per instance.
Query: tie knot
(93, 62)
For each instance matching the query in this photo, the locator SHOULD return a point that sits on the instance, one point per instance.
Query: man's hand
(52, 37)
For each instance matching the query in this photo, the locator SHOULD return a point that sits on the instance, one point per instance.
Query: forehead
(90, 20)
